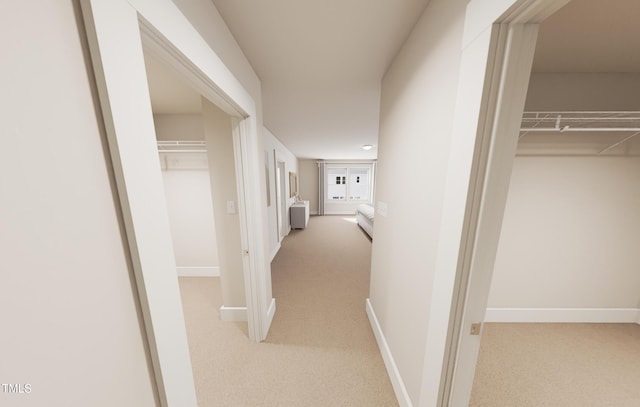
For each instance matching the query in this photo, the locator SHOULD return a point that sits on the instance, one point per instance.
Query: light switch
(231, 207)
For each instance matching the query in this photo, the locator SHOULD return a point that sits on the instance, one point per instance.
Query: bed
(364, 217)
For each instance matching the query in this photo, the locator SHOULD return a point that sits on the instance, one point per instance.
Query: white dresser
(299, 215)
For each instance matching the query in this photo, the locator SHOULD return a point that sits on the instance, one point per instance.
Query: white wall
(570, 223)
(188, 194)
(276, 151)
(187, 190)
(220, 153)
(416, 120)
(70, 327)
(570, 235)
(583, 91)
(308, 180)
(206, 19)
(173, 127)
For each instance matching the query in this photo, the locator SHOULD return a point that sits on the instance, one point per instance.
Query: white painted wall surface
(188, 194)
(187, 189)
(70, 325)
(570, 235)
(206, 19)
(416, 120)
(218, 137)
(583, 91)
(309, 183)
(172, 127)
(276, 151)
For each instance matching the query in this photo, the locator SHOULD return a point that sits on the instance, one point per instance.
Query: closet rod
(580, 129)
(611, 112)
(182, 151)
(182, 146)
(583, 118)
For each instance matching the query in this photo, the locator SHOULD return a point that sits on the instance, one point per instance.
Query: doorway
(178, 122)
(116, 31)
(566, 267)
(510, 65)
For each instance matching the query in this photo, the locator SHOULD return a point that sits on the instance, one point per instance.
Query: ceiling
(321, 64)
(590, 36)
(169, 94)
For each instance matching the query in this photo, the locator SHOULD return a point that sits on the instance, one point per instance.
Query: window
(348, 184)
(337, 184)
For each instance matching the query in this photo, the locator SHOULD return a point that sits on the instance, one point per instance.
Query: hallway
(320, 350)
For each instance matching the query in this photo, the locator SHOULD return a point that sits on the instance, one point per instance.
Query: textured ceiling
(591, 36)
(321, 65)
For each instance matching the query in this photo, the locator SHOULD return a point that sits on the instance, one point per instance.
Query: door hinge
(476, 328)
(245, 252)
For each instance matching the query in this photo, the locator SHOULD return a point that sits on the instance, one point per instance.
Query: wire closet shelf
(581, 121)
(197, 146)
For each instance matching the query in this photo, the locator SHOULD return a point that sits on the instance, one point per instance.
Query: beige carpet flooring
(563, 365)
(320, 350)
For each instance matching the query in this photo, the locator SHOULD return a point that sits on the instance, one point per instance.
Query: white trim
(198, 271)
(241, 152)
(271, 312)
(501, 66)
(392, 369)
(116, 32)
(552, 315)
(233, 314)
(113, 34)
(191, 56)
(275, 250)
(508, 50)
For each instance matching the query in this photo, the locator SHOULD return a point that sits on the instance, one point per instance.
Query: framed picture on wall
(293, 184)
(266, 175)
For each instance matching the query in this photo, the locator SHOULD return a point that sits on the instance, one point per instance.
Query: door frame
(117, 31)
(281, 197)
(499, 44)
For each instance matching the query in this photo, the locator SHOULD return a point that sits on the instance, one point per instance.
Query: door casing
(117, 32)
(499, 44)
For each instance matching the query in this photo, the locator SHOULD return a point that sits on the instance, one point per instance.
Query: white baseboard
(198, 271)
(392, 370)
(270, 314)
(275, 251)
(584, 315)
(233, 314)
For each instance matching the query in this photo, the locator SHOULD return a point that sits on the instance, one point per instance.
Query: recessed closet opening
(195, 149)
(182, 150)
(119, 32)
(564, 300)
